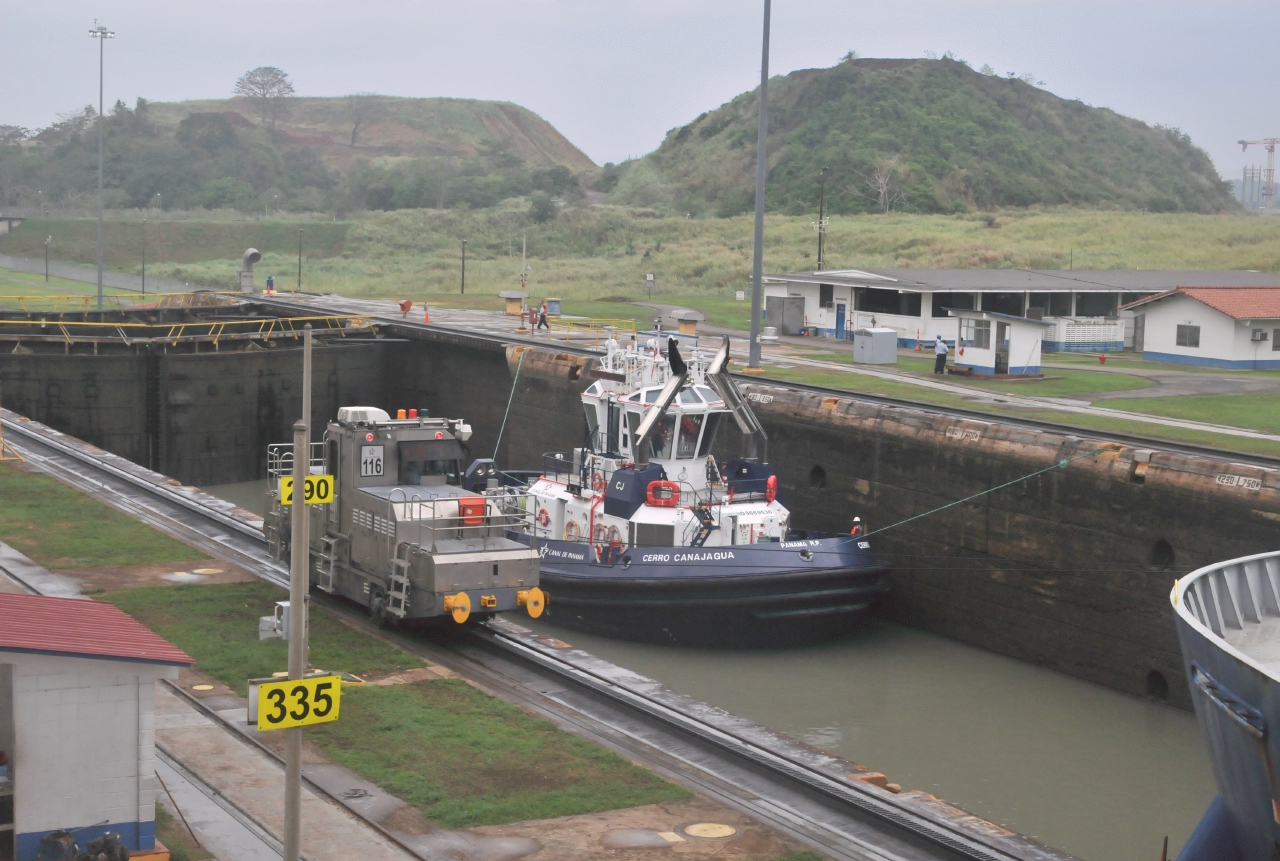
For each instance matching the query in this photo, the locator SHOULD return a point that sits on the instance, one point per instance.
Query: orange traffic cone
(917, 340)
(426, 314)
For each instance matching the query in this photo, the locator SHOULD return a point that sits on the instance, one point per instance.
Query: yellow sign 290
(298, 702)
(316, 490)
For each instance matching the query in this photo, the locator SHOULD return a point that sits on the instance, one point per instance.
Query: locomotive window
(690, 427)
(430, 462)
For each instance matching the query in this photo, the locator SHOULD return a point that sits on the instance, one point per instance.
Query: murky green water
(1094, 772)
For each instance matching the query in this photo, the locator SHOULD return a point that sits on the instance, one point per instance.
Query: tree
(267, 88)
(986, 70)
(362, 109)
(542, 208)
(211, 131)
(885, 184)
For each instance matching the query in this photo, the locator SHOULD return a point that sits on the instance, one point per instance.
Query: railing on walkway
(131, 333)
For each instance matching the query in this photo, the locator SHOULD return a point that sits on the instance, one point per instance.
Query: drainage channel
(795, 789)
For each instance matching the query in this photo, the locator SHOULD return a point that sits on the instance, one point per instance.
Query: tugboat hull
(757, 596)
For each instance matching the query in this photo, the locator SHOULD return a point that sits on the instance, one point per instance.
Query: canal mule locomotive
(404, 536)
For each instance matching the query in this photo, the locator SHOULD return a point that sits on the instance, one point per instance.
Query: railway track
(798, 790)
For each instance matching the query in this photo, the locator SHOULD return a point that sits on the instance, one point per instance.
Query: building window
(942, 301)
(1188, 336)
(1275, 340)
(975, 333)
(1096, 304)
(1050, 304)
(825, 298)
(1003, 303)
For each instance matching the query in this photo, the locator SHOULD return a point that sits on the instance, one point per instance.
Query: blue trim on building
(138, 836)
(1085, 347)
(991, 371)
(1208, 362)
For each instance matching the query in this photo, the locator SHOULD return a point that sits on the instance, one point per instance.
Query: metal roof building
(77, 721)
(1083, 303)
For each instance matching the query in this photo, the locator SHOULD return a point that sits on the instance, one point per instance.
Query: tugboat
(1228, 619)
(644, 535)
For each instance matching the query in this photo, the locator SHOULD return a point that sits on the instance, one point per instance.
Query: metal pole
(299, 565)
(757, 256)
(144, 255)
(464, 266)
(300, 258)
(47, 238)
(822, 203)
(102, 45)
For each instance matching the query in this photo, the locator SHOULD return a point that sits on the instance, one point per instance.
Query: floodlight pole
(144, 255)
(464, 267)
(299, 574)
(102, 34)
(757, 255)
(300, 229)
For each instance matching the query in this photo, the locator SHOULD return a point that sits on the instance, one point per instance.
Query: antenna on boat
(679, 373)
(752, 431)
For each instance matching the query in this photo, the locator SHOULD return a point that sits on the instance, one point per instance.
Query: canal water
(1100, 774)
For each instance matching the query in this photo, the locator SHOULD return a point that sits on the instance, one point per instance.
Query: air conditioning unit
(1259, 335)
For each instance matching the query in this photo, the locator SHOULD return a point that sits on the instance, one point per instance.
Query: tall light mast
(1269, 175)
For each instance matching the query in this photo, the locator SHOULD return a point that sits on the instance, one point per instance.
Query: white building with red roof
(1218, 327)
(77, 722)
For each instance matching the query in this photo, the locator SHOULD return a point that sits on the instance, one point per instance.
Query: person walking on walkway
(542, 317)
(940, 352)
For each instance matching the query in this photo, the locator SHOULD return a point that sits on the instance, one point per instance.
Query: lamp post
(757, 255)
(299, 258)
(821, 224)
(144, 255)
(102, 34)
(464, 267)
(47, 237)
(159, 202)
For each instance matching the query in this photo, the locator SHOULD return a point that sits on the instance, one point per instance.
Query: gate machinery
(409, 534)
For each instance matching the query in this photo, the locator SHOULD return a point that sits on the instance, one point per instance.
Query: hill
(928, 136)
(340, 154)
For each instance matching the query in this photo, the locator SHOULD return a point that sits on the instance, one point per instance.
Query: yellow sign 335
(298, 702)
(316, 490)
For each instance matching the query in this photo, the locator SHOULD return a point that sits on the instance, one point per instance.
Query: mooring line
(1059, 465)
(510, 398)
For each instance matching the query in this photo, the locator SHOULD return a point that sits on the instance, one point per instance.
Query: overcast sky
(615, 75)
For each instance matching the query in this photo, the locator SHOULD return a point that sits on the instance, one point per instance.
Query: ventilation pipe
(251, 256)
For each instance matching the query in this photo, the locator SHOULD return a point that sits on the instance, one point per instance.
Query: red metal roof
(87, 629)
(1241, 303)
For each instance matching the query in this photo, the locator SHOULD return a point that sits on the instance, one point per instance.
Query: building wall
(84, 750)
(1024, 350)
(1224, 342)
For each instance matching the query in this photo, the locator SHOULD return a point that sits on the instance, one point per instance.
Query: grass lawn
(459, 755)
(177, 839)
(1258, 411)
(855, 383)
(1131, 360)
(60, 527)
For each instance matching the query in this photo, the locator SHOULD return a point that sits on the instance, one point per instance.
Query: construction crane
(1268, 175)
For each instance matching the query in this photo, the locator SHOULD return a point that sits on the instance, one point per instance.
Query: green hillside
(312, 156)
(941, 137)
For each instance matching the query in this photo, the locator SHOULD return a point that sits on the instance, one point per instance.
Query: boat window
(662, 438)
(690, 427)
(593, 422)
(629, 425)
(651, 395)
(709, 435)
(593, 389)
(633, 398)
(689, 396)
(708, 394)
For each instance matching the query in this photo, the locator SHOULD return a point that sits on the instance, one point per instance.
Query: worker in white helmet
(940, 353)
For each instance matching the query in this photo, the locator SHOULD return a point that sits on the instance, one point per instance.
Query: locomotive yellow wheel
(533, 600)
(459, 606)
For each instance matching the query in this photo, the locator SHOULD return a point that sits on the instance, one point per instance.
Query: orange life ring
(597, 481)
(543, 517)
(771, 488)
(663, 494)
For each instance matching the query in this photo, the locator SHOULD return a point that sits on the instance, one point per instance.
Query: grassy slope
(601, 252)
(62, 528)
(964, 140)
(406, 126)
(459, 755)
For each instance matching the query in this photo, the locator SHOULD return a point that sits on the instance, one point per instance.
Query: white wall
(84, 747)
(1217, 331)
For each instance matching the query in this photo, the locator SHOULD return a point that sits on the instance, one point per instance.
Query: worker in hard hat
(940, 350)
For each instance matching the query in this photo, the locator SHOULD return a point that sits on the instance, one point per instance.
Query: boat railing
(1228, 596)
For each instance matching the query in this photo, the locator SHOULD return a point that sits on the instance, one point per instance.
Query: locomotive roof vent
(362, 415)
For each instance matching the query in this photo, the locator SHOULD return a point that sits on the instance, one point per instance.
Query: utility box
(785, 313)
(875, 346)
(687, 320)
(553, 307)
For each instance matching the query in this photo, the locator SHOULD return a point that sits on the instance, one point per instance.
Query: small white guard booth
(994, 343)
(77, 720)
